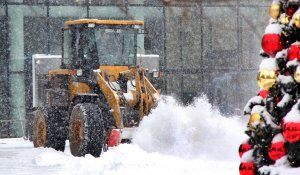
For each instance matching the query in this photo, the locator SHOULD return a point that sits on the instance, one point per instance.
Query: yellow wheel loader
(99, 94)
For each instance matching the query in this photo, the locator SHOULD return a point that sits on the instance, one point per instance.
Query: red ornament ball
(294, 52)
(290, 11)
(244, 148)
(291, 131)
(263, 94)
(277, 150)
(292, 7)
(247, 168)
(271, 44)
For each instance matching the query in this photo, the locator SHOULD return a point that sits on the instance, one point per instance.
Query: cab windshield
(103, 46)
(115, 46)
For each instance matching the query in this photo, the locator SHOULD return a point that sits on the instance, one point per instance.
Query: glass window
(154, 32)
(106, 12)
(4, 41)
(35, 36)
(115, 46)
(174, 83)
(67, 42)
(20, 17)
(122, 3)
(220, 2)
(4, 84)
(15, 1)
(173, 38)
(55, 34)
(153, 2)
(33, 2)
(2, 10)
(66, 2)
(72, 12)
(255, 2)
(103, 45)
(220, 37)
(221, 23)
(195, 86)
(191, 37)
(253, 22)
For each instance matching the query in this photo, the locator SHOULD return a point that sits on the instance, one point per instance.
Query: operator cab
(94, 43)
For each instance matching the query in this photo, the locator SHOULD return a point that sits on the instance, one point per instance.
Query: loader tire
(86, 130)
(57, 128)
(49, 129)
(29, 126)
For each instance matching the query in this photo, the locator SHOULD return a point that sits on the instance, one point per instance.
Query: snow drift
(194, 131)
(173, 139)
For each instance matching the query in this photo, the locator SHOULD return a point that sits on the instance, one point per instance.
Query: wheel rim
(77, 132)
(77, 135)
(41, 133)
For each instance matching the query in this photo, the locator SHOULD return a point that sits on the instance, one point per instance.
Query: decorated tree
(273, 129)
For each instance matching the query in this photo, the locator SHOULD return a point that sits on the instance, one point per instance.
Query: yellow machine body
(144, 96)
(100, 89)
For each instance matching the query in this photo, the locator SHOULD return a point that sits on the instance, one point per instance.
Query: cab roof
(104, 22)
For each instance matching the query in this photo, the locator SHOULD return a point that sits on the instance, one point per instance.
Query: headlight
(137, 27)
(79, 72)
(91, 25)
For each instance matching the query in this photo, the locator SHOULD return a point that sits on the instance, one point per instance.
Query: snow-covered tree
(274, 113)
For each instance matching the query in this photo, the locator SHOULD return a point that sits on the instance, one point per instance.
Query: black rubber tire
(57, 130)
(29, 126)
(49, 129)
(86, 130)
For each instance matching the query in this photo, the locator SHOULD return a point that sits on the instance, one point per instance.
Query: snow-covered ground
(193, 140)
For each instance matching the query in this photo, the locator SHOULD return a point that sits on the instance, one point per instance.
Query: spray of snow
(190, 132)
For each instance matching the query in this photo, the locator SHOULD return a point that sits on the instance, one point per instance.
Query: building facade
(206, 47)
